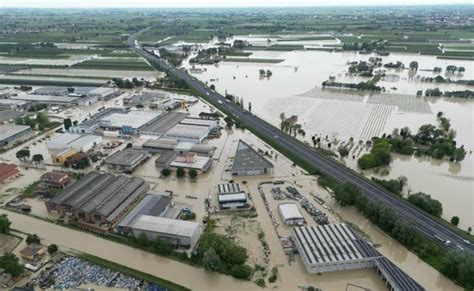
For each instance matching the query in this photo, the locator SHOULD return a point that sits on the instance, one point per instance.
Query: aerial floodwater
(294, 88)
(236, 148)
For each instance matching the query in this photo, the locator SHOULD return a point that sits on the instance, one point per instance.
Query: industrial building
(8, 172)
(118, 119)
(12, 133)
(179, 233)
(190, 160)
(53, 91)
(127, 160)
(98, 199)
(48, 99)
(87, 101)
(13, 104)
(152, 204)
(8, 116)
(163, 145)
(335, 247)
(165, 159)
(77, 142)
(290, 214)
(230, 196)
(163, 124)
(248, 161)
(63, 155)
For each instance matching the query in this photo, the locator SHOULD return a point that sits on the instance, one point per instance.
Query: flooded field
(52, 62)
(294, 89)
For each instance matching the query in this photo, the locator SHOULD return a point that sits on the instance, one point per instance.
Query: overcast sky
(215, 3)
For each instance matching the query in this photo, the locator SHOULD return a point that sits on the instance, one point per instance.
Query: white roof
(7, 131)
(289, 211)
(45, 98)
(72, 140)
(200, 163)
(185, 130)
(134, 119)
(166, 226)
(232, 197)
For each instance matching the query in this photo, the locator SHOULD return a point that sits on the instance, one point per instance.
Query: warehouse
(230, 196)
(248, 161)
(162, 125)
(332, 247)
(179, 233)
(13, 104)
(53, 90)
(152, 204)
(165, 159)
(192, 161)
(128, 122)
(290, 214)
(87, 101)
(94, 122)
(48, 99)
(169, 144)
(127, 160)
(77, 142)
(12, 133)
(188, 133)
(99, 199)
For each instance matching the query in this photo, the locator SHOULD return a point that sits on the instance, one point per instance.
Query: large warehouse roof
(328, 243)
(247, 158)
(7, 131)
(289, 211)
(134, 119)
(151, 204)
(164, 123)
(187, 130)
(125, 157)
(45, 98)
(228, 188)
(223, 198)
(166, 226)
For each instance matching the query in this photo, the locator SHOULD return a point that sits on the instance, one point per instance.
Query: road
(423, 222)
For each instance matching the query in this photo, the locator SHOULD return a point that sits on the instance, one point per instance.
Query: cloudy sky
(215, 3)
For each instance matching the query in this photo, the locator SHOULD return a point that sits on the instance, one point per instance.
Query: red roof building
(56, 179)
(7, 172)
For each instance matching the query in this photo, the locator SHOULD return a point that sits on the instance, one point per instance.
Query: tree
(192, 173)
(33, 239)
(10, 263)
(52, 248)
(425, 202)
(455, 220)
(140, 106)
(38, 158)
(229, 122)
(166, 172)
(22, 154)
(212, 87)
(180, 172)
(414, 65)
(211, 261)
(4, 224)
(343, 151)
(129, 145)
(42, 118)
(461, 69)
(67, 123)
(162, 247)
(250, 106)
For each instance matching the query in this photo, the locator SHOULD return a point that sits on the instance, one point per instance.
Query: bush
(243, 272)
(425, 202)
(192, 173)
(180, 172)
(166, 172)
(260, 282)
(52, 248)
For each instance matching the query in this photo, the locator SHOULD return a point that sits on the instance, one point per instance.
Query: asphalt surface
(326, 165)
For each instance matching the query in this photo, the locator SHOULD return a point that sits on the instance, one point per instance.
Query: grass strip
(243, 60)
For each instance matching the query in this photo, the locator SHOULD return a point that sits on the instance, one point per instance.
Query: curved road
(326, 165)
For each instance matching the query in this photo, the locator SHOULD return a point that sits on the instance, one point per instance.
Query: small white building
(290, 214)
(179, 233)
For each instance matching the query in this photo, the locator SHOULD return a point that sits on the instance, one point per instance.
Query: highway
(423, 222)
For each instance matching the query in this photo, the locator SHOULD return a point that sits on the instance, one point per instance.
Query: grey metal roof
(125, 157)
(9, 114)
(397, 278)
(75, 188)
(327, 243)
(166, 157)
(96, 118)
(89, 190)
(115, 185)
(7, 131)
(151, 204)
(228, 188)
(164, 123)
(246, 158)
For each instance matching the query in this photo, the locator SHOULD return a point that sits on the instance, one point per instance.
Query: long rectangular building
(99, 199)
(335, 247)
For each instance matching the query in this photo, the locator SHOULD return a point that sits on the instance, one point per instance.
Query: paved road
(326, 165)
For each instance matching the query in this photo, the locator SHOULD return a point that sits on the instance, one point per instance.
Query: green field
(114, 64)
